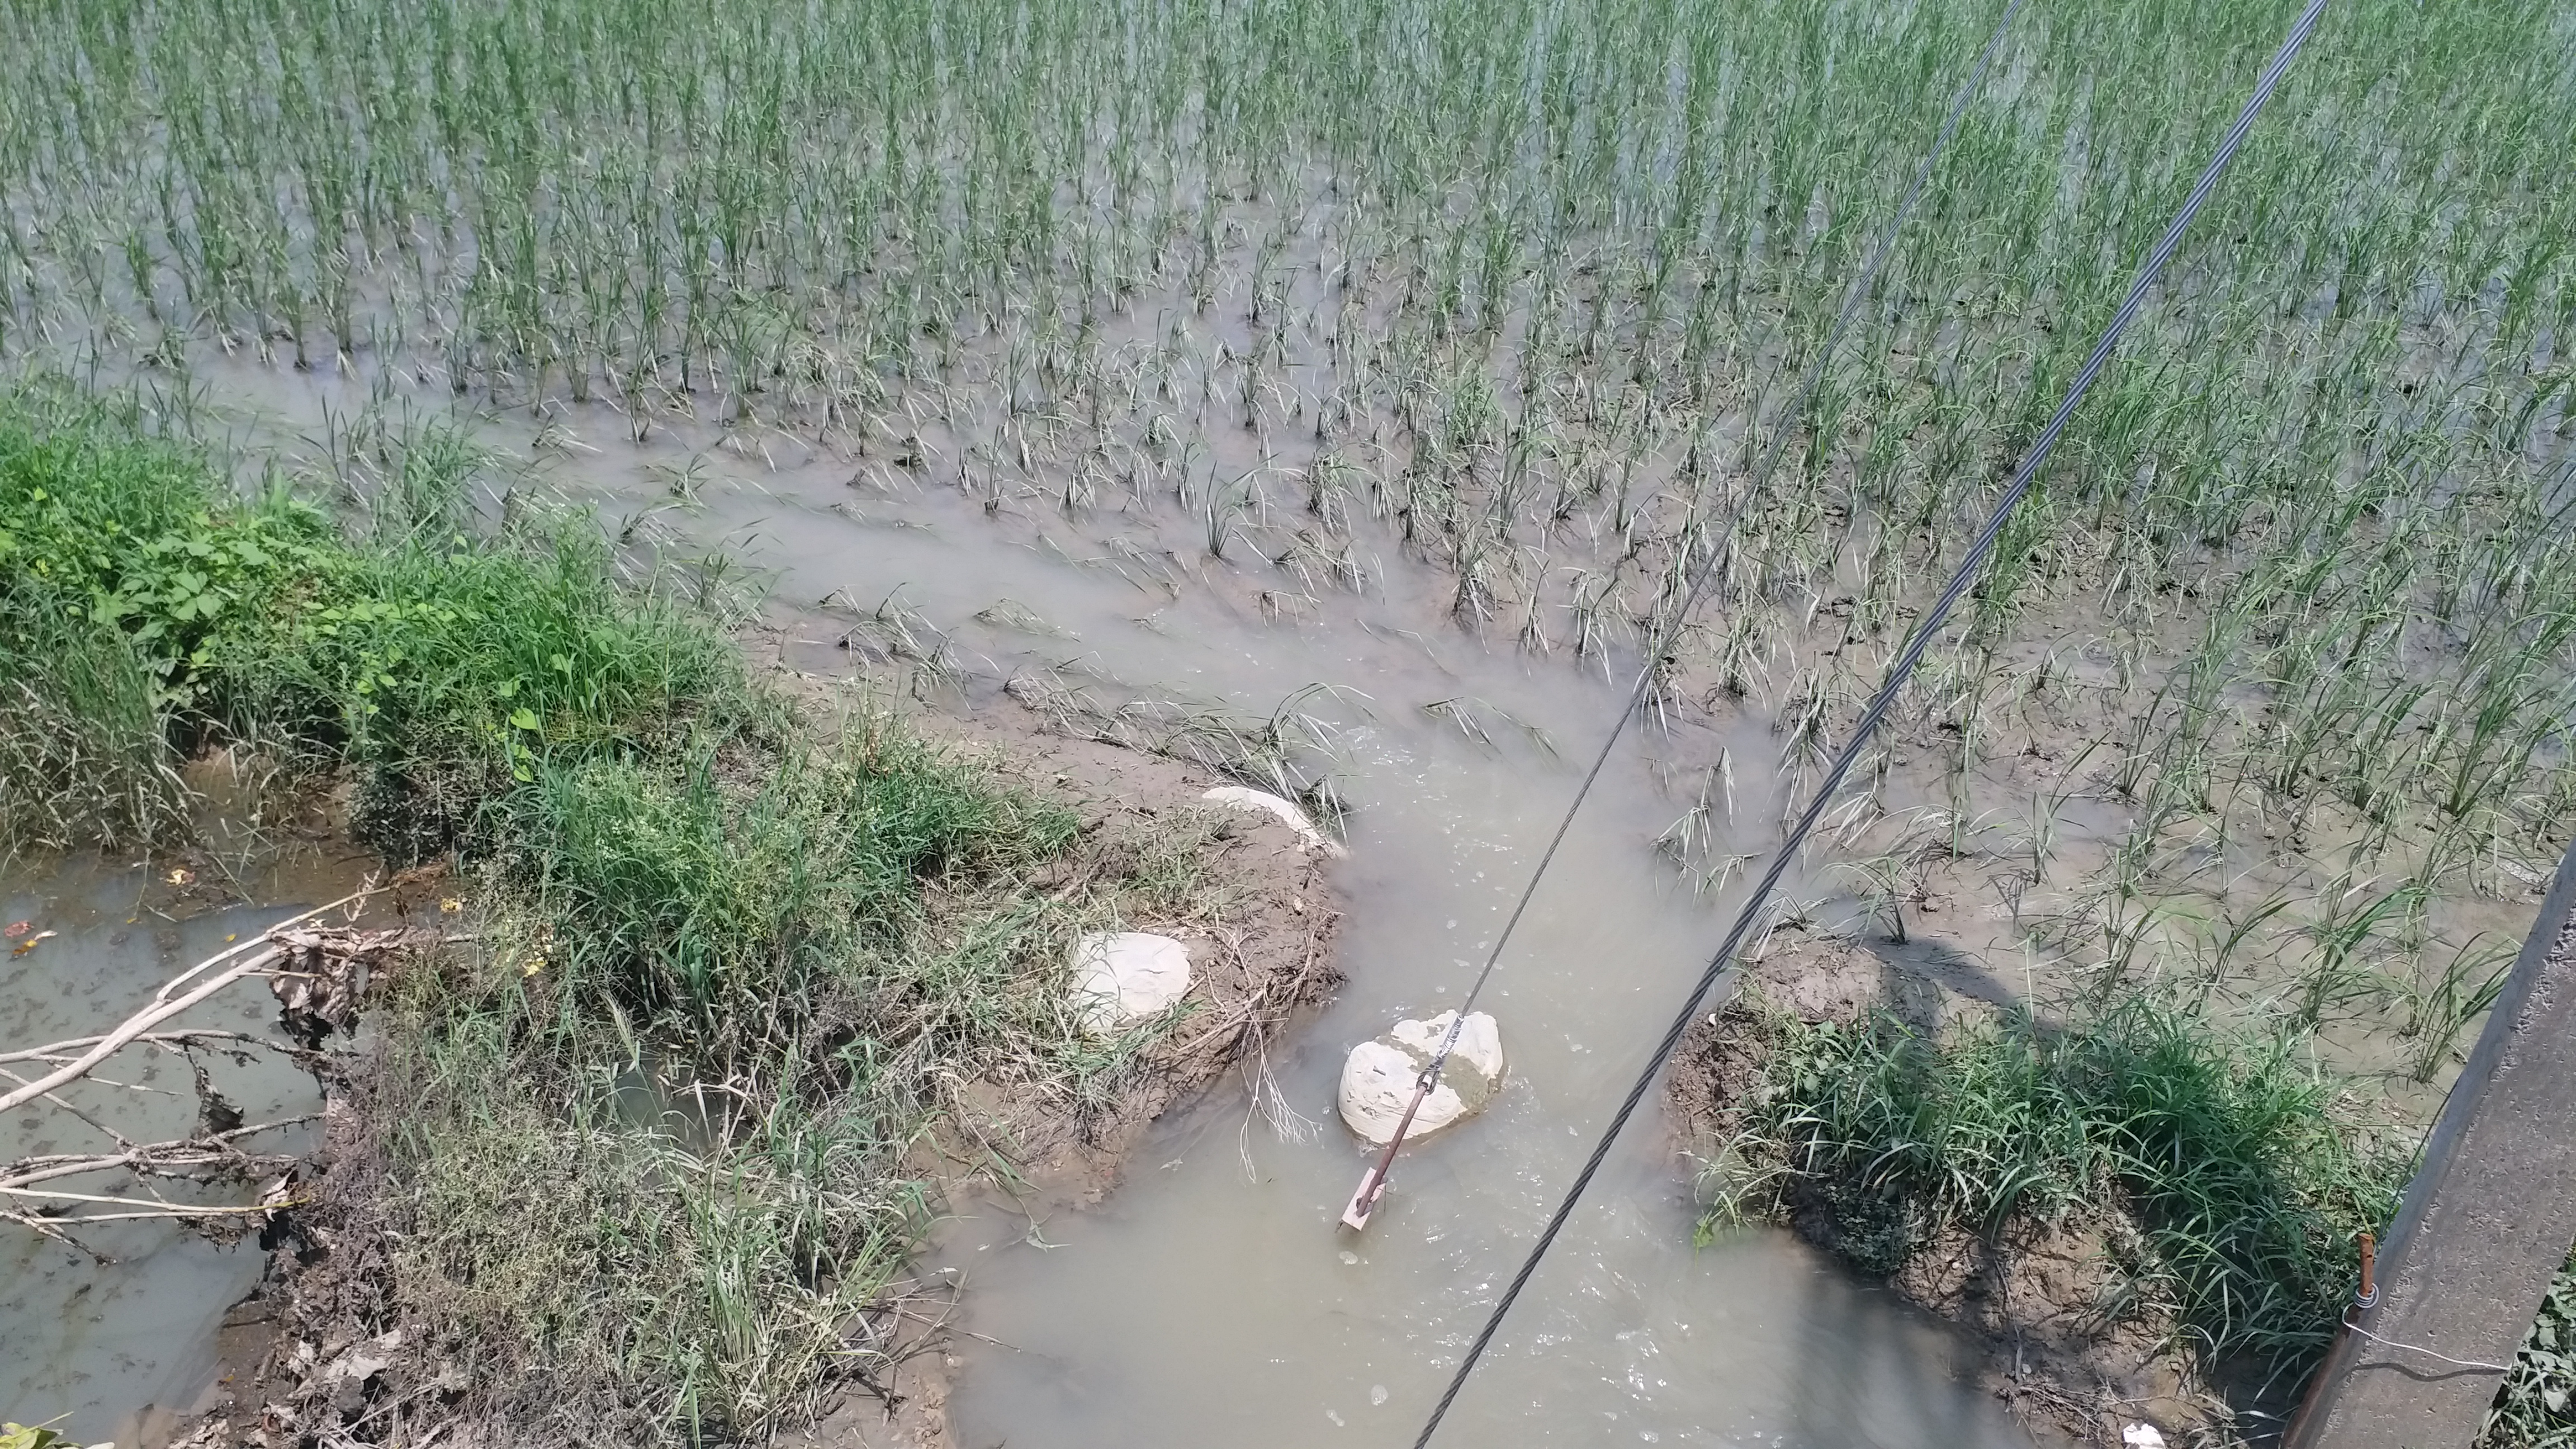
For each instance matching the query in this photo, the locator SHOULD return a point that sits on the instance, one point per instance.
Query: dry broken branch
(61, 1051)
(318, 973)
(247, 958)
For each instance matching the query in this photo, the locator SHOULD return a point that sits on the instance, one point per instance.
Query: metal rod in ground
(1363, 1202)
(2485, 1223)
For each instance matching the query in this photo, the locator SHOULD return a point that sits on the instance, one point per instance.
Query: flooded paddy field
(1346, 404)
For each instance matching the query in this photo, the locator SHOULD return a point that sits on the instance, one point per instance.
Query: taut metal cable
(1365, 1199)
(1879, 704)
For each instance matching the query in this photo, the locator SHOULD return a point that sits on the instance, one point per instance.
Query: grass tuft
(2535, 1407)
(2221, 1152)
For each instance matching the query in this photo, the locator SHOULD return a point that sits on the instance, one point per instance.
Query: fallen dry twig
(165, 1004)
(317, 972)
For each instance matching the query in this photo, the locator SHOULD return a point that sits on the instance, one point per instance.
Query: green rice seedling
(2240, 929)
(2346, 923)
(2047, 807)
(1888, 882)
(1461, 712)
(2438, 1009)
(1692, 841)
(1020, 618)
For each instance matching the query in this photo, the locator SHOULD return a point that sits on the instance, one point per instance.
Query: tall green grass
(639, 1164)
(740, 881)
(149, 589)
(83, 753)
(2221, 1153)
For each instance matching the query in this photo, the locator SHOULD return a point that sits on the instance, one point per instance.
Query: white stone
(1125, 976)
(1480, 1042)
(2142, 1436)
(1379, 1076)
(1238, 797)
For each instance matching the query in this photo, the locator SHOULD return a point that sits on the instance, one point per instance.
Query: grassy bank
(638, 1165)
(2200, 1178)
(150, 609)
(2219, 1153)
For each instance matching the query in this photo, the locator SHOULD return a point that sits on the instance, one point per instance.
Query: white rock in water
(1378, 1079)
(1240, 798)
(1125, 976)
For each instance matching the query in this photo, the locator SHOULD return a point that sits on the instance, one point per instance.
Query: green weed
(2222, 1152)
(2535, 1407)
(447, 661)
(798, 936)
(732, 879)
(82, 750)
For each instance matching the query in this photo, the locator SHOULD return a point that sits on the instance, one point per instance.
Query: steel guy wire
(1711, 569)
(1879, 705)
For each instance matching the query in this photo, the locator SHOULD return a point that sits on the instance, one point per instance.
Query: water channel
(1210, 1299)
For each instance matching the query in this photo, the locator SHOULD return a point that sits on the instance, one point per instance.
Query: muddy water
(114, 1351)
(1211, 1301)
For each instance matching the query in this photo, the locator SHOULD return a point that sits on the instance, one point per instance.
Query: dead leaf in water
(30, 944)
(181, 876)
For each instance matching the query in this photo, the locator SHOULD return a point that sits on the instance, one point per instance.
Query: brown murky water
(113, 1352)
(1211, 1300)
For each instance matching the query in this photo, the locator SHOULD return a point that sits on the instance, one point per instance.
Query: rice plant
(1507, 292)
